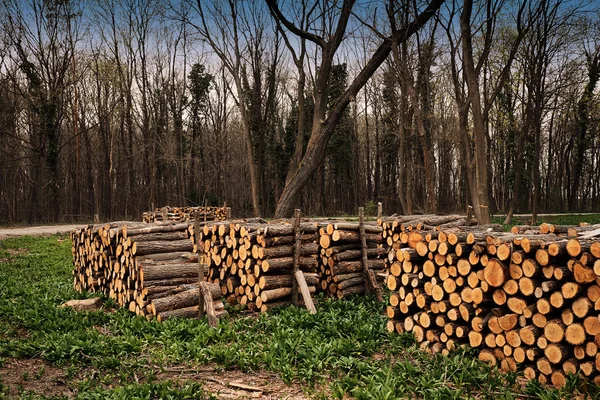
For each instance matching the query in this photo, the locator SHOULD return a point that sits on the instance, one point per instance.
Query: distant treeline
(110, 107)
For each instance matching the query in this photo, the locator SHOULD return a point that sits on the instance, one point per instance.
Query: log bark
(185, 299)
(145, 248)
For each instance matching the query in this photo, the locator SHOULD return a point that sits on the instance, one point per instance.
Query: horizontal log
(189, 312)
(283, 263)
(268, 282)
(145, 248)
(187, 298)
(346, 267)
(168, 227)
(274, 294)
(169, 256)
(307, 249)
(341, 236)
(167, 271)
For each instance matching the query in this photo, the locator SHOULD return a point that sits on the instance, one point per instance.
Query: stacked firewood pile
(152, 270)
(253, 261)
(527, 299)
(340, 257)
(204, 213)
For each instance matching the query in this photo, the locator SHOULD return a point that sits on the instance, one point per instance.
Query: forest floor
(344, 351)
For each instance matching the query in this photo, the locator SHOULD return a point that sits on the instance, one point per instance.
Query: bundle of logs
(527, 299)
(253, 261)
(151, 269)
(203, 213)
(340, 257)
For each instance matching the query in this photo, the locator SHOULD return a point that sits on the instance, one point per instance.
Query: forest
(111, 107)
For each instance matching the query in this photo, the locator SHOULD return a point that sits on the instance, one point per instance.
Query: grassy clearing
(344, 350)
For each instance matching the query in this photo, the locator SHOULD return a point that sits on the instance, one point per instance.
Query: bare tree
(232, 30)
(324, 122)
(425, 55)
(43, 35)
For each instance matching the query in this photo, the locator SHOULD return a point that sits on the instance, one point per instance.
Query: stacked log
(181, 214)
(94, 250)
(254, 261)
(154, 269)
(340, 258)
(137, 264)
(526, 301)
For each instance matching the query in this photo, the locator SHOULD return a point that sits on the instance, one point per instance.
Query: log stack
(526, 300)
(181, 214)
(340, 258)
(254, 261)
(94, 250)
(151, 269)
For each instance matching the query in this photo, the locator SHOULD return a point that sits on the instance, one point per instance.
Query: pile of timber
(526, 300)
(154, 269)
(150, 269)
(340, 257)
(181, 214)
(253, 261)
(94, 254)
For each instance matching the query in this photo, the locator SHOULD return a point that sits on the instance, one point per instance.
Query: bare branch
(293, 28)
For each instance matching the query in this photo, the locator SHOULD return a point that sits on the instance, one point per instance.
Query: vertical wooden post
(200, 265)
(297, 249)
(469, 215)
(228, 213)
(165, 214)
(370, 280)
(379, 210)
(298, 281)
(204, 207)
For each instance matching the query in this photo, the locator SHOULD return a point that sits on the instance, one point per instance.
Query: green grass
(343, 350)
(567, 219)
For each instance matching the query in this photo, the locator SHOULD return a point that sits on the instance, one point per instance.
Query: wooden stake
(210, 307)
(469, 215)
(379, 210)
(297, 250)
(369, 276)
(301, 282)
(201, 262)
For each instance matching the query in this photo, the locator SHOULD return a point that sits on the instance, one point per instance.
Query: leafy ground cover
(342, 352)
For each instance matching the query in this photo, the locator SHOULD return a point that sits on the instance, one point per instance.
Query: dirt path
(37, 230)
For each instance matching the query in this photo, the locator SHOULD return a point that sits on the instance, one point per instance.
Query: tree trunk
(323, 128)
(583, 119)
(481, 167)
